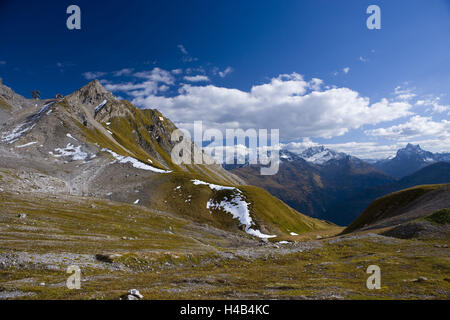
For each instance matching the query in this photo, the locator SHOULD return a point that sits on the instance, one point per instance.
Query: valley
(87, 180)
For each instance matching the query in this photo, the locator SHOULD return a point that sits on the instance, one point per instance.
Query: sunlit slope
(402, 206)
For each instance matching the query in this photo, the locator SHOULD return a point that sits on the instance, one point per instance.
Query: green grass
(278, 217)
(331, 270)
(440, 217)
(387, 206)
(5, 106)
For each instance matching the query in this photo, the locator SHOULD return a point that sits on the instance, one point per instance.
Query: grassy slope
(176, 193)
(326, 272)
(75, 224)
(281, 218)
(388, 205)
(131, 130)
(5, 106)
(440, 217)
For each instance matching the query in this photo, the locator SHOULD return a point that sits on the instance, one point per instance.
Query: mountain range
(410, 159)
(338, 187)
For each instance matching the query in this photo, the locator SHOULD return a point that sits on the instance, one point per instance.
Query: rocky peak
(320, 155)
(412, 151)
(13, 99)
(92, 94)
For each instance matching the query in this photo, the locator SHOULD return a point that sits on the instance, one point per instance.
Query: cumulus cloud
(315, 84)
(156, 75)
(417, 126)
(287, 102)
(367, 150)
(299, 146)
(197, 78)
(346, 70)
(363, 150)
(93, 75)
(155, 81)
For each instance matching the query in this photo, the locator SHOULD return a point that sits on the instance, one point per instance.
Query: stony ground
(120, 247)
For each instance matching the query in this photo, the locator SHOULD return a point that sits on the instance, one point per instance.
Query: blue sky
(310, 68)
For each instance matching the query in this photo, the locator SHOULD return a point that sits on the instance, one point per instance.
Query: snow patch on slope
(70, 136)
(71, 151)
(236, 206)
(14, 135)
(212, 186)
(100, 106)
(135, 162)
(25, 127)
(26, 145)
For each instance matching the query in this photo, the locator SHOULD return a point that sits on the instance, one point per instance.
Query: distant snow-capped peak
(321, 155)
(415, 151)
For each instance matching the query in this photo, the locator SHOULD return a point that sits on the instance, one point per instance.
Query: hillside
(438, 173)
(403, 206)
(91, 144)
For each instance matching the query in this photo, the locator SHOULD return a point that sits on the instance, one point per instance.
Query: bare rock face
(12, 103)
(90, 96)
(16, 101)
(67, 145)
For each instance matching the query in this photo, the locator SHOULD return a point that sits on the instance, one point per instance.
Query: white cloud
(435, 105)
(186, 56)
(156, 75)
(315, 84)
(182, 49)
(417, 126)
(93, 75)
(225, 72)
(286, 103)
(137, 90)
(404, 94)
(362, 59)
(367, 150)
(363, 150)
(177, 71)
(298, 147)
(123, 72)
(156, 81)
(346, 70)
(197, 78)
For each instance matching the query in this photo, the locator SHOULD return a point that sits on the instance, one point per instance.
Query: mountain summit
(320, 155)
(410, 159)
